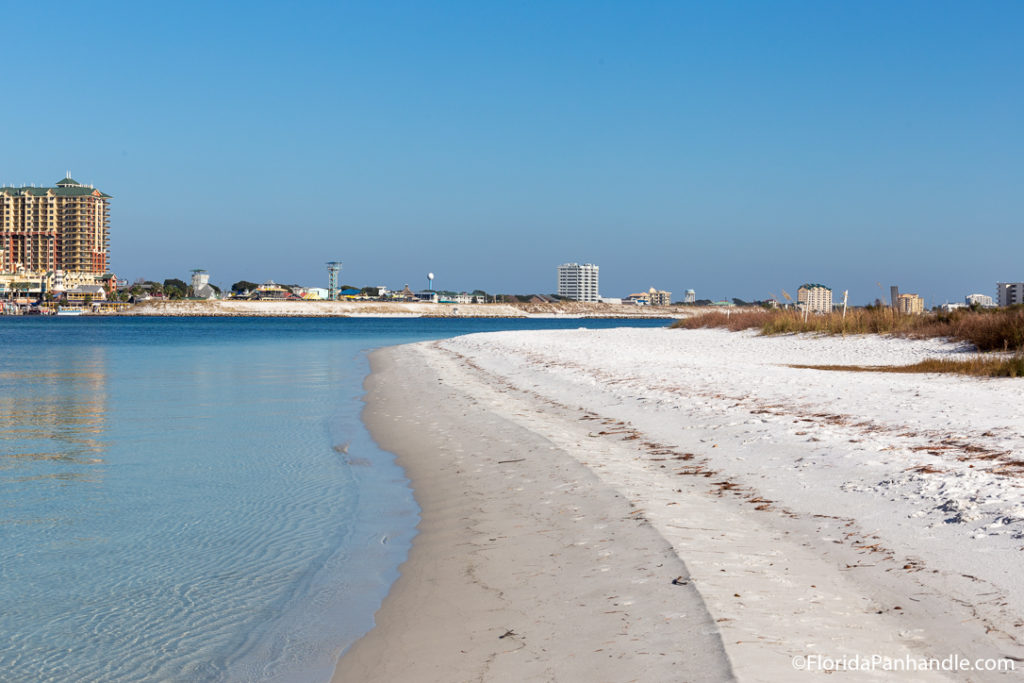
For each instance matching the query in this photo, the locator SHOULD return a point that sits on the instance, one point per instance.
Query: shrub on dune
(999, 329)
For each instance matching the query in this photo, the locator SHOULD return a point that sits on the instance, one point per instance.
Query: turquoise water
(176, 500)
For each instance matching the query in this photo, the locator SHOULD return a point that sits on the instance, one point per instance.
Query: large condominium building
(652, 297)
(1010, 293)
(983, 300)
(909, 303)
(54, 228)
(815, 298)
(578, 282)
(660, 297)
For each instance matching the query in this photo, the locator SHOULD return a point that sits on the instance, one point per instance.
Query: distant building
(201, 288)
(271, 290)
(950, 307)
(983, 300)
(691, 297)
(313, 293)
(579, 282)
(66, 227)
(78, 295)
(815, 298)
(659, 297)
(22, 287)
(457, 298)
(638, 299)
(652, 297)
(909, 303)
(1010, 293)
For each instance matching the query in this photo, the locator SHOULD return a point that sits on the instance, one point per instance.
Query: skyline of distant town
(60, 234)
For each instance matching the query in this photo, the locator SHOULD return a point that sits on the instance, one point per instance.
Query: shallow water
(197, 498)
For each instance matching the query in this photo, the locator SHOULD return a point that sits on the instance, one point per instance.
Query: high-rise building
(983, 300)
(66, 227)
(1010, 293)
(815, 298)
(909, 303)
(578, 282)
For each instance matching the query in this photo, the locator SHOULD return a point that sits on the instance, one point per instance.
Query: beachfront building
(43, 229)
(313, 293)
(1010, 293)
(909, 303)
(270, 290)
(22, 287)
(201, 288)
(815, 298)
(78, 296)
(983, 300)
(579, 282)
(659, 297)
(652, 297)
(638, 299)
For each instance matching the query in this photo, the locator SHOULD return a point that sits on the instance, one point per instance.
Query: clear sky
(736, 148)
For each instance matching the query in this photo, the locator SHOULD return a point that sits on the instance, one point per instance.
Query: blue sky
(735, 148)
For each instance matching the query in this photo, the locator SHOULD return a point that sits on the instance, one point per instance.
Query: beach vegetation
(1000, 365)
(175, 288)
(994, 329)
(243, 286)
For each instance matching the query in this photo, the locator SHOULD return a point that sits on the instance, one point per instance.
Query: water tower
(333, 268)
(430, 282)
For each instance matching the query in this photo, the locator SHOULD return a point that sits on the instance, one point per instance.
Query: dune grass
(1000, 329)
(978, 366)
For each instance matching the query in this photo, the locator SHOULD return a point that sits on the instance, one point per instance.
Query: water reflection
(54, 408)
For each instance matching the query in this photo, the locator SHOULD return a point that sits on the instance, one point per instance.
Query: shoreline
(366, 309)
(526, 566)
(793, 549)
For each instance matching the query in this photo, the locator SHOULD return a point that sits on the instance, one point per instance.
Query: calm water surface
(174, 499)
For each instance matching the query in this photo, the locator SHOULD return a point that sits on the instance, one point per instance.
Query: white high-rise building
(1010, 293)
(983, 300)
(815, 298)
(578, 282)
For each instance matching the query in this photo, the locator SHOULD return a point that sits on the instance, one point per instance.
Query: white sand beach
(568, 477)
